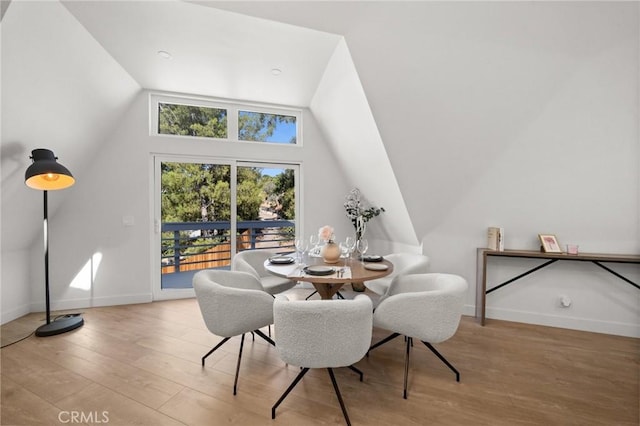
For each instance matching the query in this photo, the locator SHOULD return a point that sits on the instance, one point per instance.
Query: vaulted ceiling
(468, 76)
(76, 66)
(213, 52)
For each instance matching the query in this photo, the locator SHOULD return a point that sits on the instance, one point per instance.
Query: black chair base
(223, 341)
(337, 294)
(335, 387)
(409, 344)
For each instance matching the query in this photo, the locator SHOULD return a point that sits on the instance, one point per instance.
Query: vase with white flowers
(330, 251)
(359, 212)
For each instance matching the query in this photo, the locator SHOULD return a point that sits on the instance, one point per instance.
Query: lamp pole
(46, 257)
(45, 174)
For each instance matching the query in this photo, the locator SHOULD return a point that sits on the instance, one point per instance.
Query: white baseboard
(60, 305)
(582, 324)
(15, 313)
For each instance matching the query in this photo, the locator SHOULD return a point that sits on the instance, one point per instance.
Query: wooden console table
(483, 254)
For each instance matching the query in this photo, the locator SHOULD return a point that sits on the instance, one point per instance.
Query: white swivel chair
(403, 264)
(427, 307)
(232, 303)
(322, 334)
(252, 261)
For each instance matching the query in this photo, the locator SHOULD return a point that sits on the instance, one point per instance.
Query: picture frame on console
(549, 243)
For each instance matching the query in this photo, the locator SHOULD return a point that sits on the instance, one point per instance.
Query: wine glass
(301, 248)
(350, 242)
(362, 246)
(344, 249)
(313, 242)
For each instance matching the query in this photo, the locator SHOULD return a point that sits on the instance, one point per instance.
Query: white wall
(16, 289)
(341, 108)
(62, 91)
(516, 114)
(522, 115)
(89, 224)
(118, 184)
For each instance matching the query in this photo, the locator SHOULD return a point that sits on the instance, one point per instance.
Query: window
(220, 120)
(262, 127)
(211, 210)
(189, 120)
(207, 208)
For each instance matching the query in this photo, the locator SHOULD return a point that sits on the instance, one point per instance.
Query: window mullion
(234, 208)
(232, 124)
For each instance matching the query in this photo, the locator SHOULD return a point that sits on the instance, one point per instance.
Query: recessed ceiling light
(164, 54)
(276, 71)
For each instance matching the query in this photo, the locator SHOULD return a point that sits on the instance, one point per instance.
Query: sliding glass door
(206, 211)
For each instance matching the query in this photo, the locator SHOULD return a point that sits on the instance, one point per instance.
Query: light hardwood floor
(140, 365)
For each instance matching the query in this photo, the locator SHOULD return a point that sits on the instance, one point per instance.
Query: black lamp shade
(46, 173)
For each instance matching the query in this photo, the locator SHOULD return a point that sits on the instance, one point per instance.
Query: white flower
(325, 233)
(357, 211)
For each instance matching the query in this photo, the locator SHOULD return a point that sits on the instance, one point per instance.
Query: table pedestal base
(327, 291)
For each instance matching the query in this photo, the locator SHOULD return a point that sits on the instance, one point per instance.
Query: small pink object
(572, 249)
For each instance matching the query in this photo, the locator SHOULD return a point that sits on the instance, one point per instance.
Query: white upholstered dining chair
(427, 307)
(322, 334)
(252, 262)
(232, 303)
(403, 264)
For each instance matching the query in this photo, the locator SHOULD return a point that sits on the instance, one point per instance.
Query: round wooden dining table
(328, 285)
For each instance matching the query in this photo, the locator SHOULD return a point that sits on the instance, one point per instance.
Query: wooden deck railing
(211, 241)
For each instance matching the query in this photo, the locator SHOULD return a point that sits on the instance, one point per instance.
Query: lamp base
(61, 325)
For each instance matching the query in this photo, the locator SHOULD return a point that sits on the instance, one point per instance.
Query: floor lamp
(46, 174)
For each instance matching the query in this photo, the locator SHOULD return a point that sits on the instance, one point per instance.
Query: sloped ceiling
(61, 91)
(468, 76)
(214, 52)
(434, 74)
(71, 69)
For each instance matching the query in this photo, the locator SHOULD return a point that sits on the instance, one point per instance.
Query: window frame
(159, 293)
(233, 109)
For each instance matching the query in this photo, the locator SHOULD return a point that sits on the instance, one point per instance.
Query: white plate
(372, 258)
(319, 270)
(281, 260)
(376, 266)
